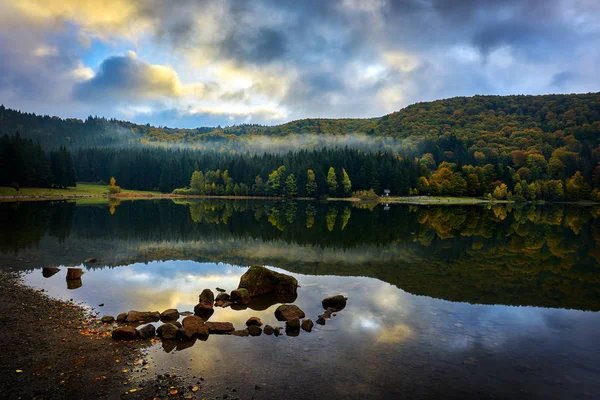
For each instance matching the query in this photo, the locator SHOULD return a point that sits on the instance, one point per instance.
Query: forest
(503, 147)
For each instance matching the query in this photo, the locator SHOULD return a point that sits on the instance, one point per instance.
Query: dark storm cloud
(263, 46)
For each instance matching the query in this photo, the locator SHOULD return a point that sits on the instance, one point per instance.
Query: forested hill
(483, 122)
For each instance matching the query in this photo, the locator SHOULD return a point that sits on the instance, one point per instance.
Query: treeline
(23, 162)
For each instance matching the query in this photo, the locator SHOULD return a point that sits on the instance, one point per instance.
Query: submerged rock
(307, 325)
(108, 319)
(219, 327)
(124, 333)
(260, 280)
(146, 332)
(336, 303)
(47, 272)
(142, 316)
(286, 312)
(170, 314)
(254, 321)
(168, 331)
(240, 296)
(254, 330)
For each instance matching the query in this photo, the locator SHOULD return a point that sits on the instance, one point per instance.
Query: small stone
(220, 290)
(219, 327)
(170, 315)
(143, 316)
(307, 325)
(108, 319)
(243, 332)
(268, 330)
(254, 321)
(288, 311)
(336, 303)
(146, 332)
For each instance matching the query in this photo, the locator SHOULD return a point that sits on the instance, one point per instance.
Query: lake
(492, 301)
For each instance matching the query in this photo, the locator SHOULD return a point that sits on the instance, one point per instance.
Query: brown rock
(336, 303)
(74, 284)
(243, 332)
(124, 333)
(122, 317)
(146, 332)
(219, 303)
(204, 311)
(74, 273)
(90, 260)
(292, 327)
(307, 325)
(168, 331)
(268, 330)
(219, 327)
(206, 297)
(143, 316)
(222, 297)
(47, 272)
(240, 296)
(193, 327)
(254, 330)
(260, 280)
(254, 321)
(286, 312)
(108, 319)
(170, 314)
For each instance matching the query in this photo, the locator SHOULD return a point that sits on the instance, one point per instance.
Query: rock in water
(268, 330)
(326, 315)
(90, 260)
(243, 332)
(307, 325)
(254, 330)
(240, 296)
(221, 290)
(219, 327)
(337, 303)
(260, 280)
(108, 319)
(168, 331)
(146, 332)
(47, 272)
(74, 273)
(142, 316)
(124, 333)
(122, 317)
(170, 314)
(254, 321)
(206, 297)
(193, 326)
(222, 297)
(292, 327)
(286, 312)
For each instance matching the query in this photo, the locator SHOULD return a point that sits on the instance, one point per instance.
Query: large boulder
(169, 315)
(240, 296)
(260, 280)
(124, 333)
(146, 332)
(168, 331)
(142, 316)
(336, 303)
(219, 327)
(287, 312)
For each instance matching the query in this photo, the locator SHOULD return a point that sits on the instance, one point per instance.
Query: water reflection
(387, 342)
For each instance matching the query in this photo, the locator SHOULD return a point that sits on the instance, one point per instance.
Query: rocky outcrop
(47, 272)
(168, 331)
(142, 316)
(260, 280)
(219, 327)
(287, 312)
(146, 332)
(240, 296)
(254, 330)
(169, 315)
(336, 303)
(307, 325)
(254, 321)
(124, 333)
(107, 319)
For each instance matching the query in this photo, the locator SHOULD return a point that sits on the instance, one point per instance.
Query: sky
(198, 63)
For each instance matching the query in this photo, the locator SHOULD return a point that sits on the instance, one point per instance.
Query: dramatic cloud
(205, 62)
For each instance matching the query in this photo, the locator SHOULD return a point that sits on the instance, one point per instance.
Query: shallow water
(450, 302)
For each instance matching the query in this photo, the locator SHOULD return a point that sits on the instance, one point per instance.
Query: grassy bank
(439, 200)
(82, 190)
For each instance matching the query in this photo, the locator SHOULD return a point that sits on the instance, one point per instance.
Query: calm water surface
(452, 302)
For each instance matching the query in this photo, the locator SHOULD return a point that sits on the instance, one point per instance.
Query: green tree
(197, 182)
(332, 182)
(346, 184)
(311, 183)
(291, 188)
